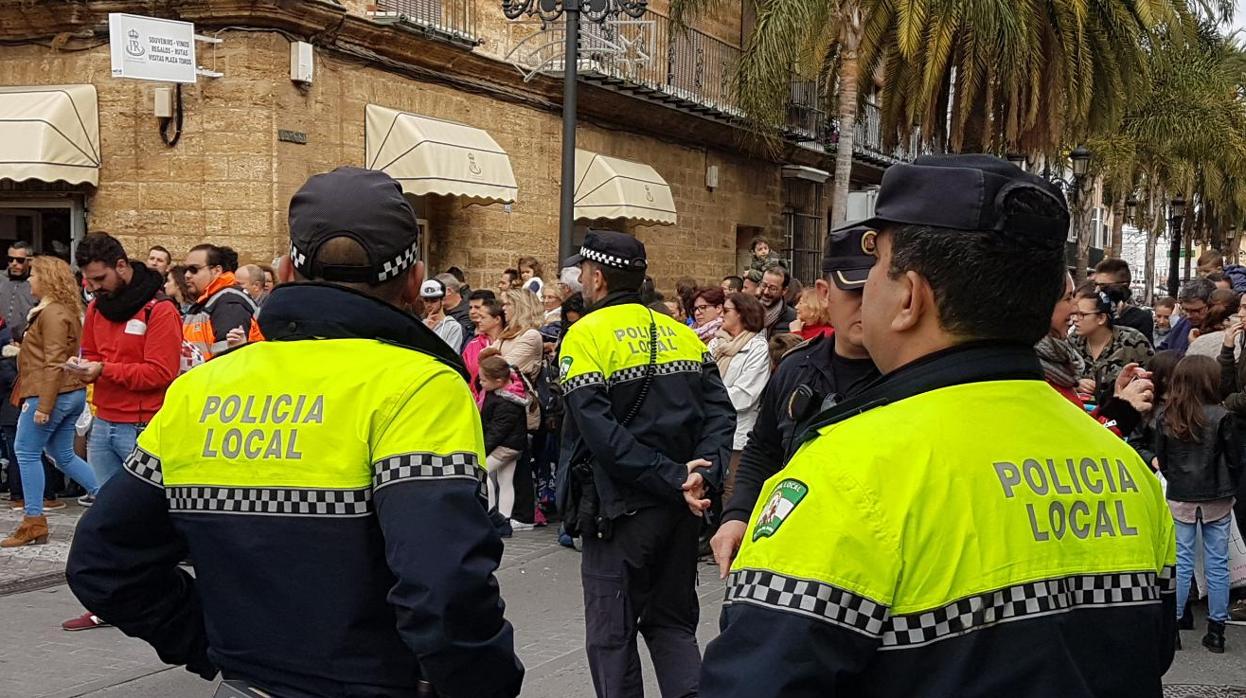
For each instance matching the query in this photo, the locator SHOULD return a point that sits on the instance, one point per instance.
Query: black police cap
(610, 248)
(366, 206)
(964, 192)
(849, 256)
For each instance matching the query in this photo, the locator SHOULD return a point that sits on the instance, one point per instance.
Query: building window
(803, 213)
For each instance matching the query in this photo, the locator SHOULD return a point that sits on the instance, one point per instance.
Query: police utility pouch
(583, 516)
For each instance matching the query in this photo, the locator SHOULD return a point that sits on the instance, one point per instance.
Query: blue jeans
(1215, 564)
(109, 445)
(57, 437)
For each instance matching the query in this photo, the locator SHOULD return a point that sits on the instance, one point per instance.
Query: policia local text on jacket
(340, 546)
(864, 570)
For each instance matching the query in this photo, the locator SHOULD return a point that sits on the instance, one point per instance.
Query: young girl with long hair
(1198, 452)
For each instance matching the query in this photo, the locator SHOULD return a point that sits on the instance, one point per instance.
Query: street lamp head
(1018, 159)
(1178, 206)
(1081, 161)
(1131, 207)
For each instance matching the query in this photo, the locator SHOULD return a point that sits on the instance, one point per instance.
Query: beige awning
(432, 156)
(49, 133)
(607, 187)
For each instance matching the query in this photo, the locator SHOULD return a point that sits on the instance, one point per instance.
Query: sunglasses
(19, 260)
(195, 268)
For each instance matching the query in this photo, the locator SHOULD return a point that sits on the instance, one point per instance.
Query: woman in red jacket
(1062, 366)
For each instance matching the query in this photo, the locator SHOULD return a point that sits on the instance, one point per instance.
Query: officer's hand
(1140, 393)
(726, 543)
(694, 487)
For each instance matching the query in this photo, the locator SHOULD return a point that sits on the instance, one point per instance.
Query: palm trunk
(1084, 199)
(849, 79)
(1118, 226)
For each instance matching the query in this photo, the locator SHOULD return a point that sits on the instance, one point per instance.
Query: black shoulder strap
(650, 370)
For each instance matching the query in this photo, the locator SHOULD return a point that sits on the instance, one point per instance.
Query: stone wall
(229, 179)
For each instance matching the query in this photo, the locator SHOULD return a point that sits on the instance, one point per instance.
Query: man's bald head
(251, 278)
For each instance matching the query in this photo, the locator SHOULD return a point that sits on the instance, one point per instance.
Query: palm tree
(1185, 134)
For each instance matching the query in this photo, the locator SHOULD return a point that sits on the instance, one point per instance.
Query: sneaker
(86, 621)
(1237, 612)
(521, 526)
(86, 500)
(50, 504)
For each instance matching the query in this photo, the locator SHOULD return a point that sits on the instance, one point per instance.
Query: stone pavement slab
(37, 566)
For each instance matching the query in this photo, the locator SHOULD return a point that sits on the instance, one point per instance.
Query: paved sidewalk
(36, 566)
(540, 582)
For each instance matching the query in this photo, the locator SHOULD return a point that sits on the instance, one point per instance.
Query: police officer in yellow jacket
(326, 484)
(958, 528)
(648, 432)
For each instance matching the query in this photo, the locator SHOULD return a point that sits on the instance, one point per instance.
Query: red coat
(1097, 414)
(141, 358)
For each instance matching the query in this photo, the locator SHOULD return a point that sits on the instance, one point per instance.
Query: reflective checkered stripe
(805, 597)
(270, 501)
(390, 268)
(145, 467)
(582, 381)
(1168, 580)
(608, 260)
(667, 369)
(831, 604)
(426, 466)
(1021, 602)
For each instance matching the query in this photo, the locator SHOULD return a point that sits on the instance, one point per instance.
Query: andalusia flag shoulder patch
(786, 495)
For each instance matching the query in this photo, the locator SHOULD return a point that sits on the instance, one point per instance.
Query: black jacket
(1204, 470)
(321, 588)
(1139, 319)
(685, 414)
(769, 442)
(505, 419)
(228, 308)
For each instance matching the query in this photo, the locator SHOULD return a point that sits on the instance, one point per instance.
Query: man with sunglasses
(220, 305)
(15, 297)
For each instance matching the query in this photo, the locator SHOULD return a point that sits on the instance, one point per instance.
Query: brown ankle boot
(32, 531)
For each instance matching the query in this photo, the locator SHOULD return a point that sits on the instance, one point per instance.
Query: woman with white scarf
(743, 359)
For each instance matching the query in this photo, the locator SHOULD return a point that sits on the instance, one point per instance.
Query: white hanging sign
(147, 48)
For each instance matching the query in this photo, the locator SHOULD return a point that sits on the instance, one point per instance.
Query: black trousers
(643, 579)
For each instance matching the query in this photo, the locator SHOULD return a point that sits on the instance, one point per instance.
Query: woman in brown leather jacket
(50, 396)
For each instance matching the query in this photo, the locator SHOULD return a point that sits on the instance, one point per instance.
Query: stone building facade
(249, 139)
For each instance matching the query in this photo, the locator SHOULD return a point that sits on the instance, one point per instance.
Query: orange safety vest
(199, 336)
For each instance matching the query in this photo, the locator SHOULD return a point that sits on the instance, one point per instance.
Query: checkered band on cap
(270, 501)
(390, 268)
(145, 467)
(1044, 597)
(426, 466)
(604, 258)
(809, 598)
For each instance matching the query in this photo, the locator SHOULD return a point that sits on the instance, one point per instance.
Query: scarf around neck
(144, 285)
(774, 312)
(728, 346)
(709, 330)
(1062, 365)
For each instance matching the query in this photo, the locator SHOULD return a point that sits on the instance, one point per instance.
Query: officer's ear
(285, 269)
(823, 289)
(916, 303)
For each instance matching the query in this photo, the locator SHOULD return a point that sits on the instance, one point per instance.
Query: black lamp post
(597, 11)
(1131, 208)
(1080, 156)
(1176, 212)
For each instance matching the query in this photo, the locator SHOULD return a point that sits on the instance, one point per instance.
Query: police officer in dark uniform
(824, 369)
(326, 483)
(647, 435)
